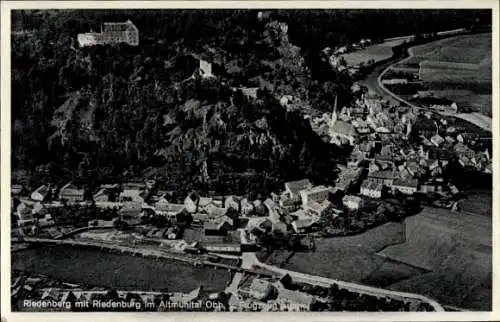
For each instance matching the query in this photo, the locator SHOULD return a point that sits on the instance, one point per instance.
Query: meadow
(351, 258)
(458, 68)
(437, 253)
(457, 250)
(376, 53)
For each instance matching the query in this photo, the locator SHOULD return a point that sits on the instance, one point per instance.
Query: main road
(372, 82)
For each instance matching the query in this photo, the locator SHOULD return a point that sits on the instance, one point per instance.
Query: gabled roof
(344, 128)
(295, 186)
(102, 192)
(260, 285)
(319, 206)
(43, 190)
(351, 198)
(297, 297)
(118, 26)
(371, 185)
(411, 183)
(382, 174)
(303, 223)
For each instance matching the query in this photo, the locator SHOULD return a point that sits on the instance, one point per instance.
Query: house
(169, 209)
(433, 164)
(383, 177)
(25, 215)
(427, 187)
(161, 202)
(342, 132)
(437, 140)
(371, 189)
(16, 189)
(439, 154)
(247, 208)
(269, 204)
(191, 202)
(214, 211)
(131, 194)
(46, 220)
(319, 208)
(347, 177)
(373, 166)
(39, 209)
(261, 290)
(103, 195)
(111, 33)
(341, 50)
(204, 203)
(463, 150)
(301, 226)
(205, 69)
(293, 188)
(413, 168)
(250, 92)
(287, 100)
(131, 211)
(261, 209)
(223, 248)
(172, 233)
(352, 202)
(232, 202)
(279, 226)
(216, 228)
(71, 193)
(318, 194)
(41, 193)
(407, 187)
(297, 301)
(355, 159)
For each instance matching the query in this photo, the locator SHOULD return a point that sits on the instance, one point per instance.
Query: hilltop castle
(111, 33)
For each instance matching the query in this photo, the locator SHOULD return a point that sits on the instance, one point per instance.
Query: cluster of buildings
(38, 293)
(369, 118)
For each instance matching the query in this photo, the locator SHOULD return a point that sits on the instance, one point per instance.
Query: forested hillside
(109, 112)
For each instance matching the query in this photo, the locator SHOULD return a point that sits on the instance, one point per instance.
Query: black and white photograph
(250, 159)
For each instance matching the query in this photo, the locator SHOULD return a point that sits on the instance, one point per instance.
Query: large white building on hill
(111, 33)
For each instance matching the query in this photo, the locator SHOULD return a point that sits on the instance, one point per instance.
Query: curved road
(372, 82)
(250, 260)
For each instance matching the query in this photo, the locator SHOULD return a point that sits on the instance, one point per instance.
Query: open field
(469, 49)
(480, 102)
(376, 52)
(479, 202)
(462, 59)
(457, 248)
(446, 256)
(458, 68)
(351, 258)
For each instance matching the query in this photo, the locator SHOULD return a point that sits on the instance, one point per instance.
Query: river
(125, 272)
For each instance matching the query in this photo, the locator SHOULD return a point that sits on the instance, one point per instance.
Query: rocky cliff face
(124, 112)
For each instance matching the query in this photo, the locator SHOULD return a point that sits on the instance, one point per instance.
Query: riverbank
(80, 265)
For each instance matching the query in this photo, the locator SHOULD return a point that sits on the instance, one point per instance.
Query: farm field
(469, 49)
(481, 102)
(447, 256)
(458, 68)
(351, 258)
(376, 52)
(478, 202)
(457, 248)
